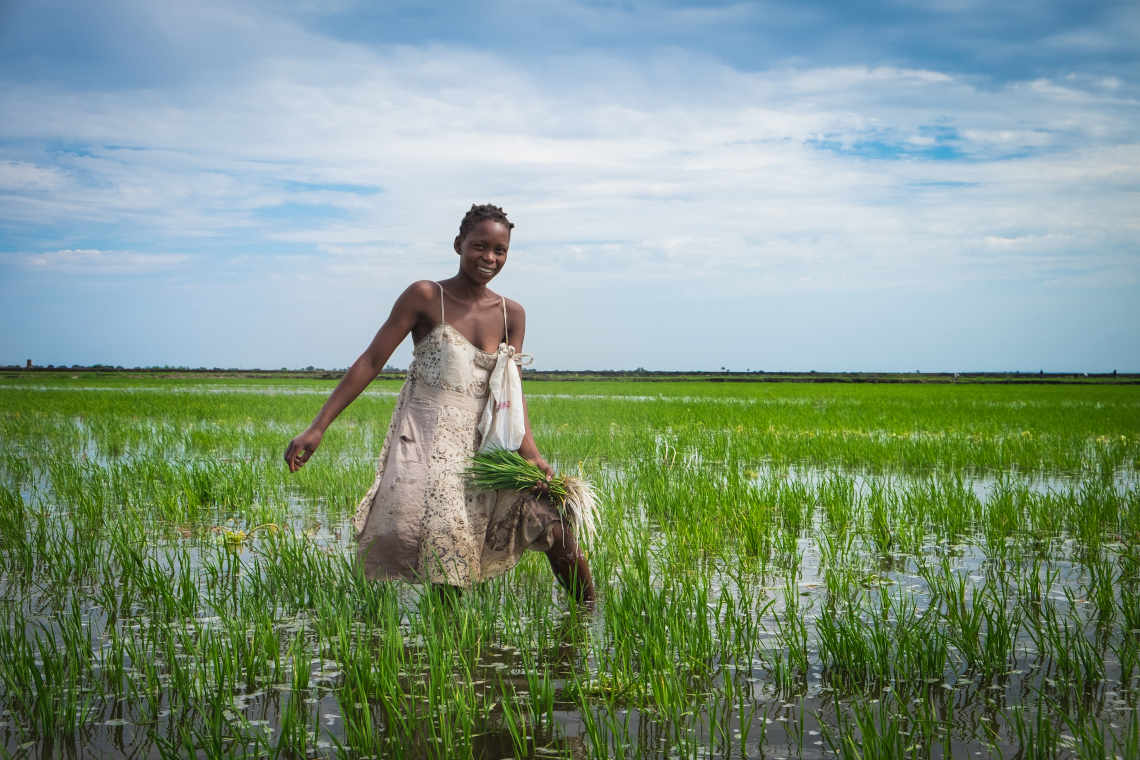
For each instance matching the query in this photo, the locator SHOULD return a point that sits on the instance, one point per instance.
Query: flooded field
(783, 571)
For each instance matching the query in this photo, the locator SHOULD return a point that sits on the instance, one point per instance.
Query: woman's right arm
(407, 310)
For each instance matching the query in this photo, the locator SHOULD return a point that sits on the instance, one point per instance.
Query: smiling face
(483, 250)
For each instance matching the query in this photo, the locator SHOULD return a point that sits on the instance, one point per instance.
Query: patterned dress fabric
(420, 521)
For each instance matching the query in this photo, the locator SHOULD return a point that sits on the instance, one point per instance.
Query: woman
(420, 520)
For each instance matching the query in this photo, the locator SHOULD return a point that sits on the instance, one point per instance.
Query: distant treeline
(640, 374)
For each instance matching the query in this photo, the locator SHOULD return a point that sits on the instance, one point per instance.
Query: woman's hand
(543, 465)
(302, 447)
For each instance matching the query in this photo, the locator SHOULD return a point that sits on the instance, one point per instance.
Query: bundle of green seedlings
(505, 470)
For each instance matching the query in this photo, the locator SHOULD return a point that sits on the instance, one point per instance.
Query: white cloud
(670, 168)
(92, 261)
(19, 176)
(639, 170)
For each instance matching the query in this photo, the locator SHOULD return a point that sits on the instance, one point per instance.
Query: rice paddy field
(783, 571)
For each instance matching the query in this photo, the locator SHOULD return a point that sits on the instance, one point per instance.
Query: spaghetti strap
(506, 330)
(442, 319)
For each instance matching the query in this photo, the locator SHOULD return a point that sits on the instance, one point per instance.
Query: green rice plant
(1003, 626)
(845, 652)
(796, 503)
(756, 524)
(1089, 735)
(977, 624)
(516, 718)
(890, 643)
(1100, 588)
(840, 502)
(540, 690)
(373, 676)
(13, 526)
(659, 643)
(596, 739)
(1127, 646)
(882, 728)
(716, 725)
(293, 738)
(844, 584)
(1129, 516)
(746, 713)
(145, 686)
(17, 550)
(787, 551)
(1127, 652)
(1095, 514)
(1038, 739)
(788, 661)
(908, 521)
(1127, 744)
(1034, 581)
(835, 551)
(1001, 516)
(879, 528)
(1045, 515)
(737, 615)
(1063, 645)
(49, 674)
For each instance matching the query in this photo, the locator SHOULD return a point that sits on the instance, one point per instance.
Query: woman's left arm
(516, 323)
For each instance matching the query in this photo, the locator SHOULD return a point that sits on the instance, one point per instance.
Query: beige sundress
(420, 521)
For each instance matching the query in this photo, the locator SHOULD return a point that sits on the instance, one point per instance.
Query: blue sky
(779, 185)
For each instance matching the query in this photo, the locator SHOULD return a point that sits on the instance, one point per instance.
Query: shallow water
(736, 704)
(778, 725)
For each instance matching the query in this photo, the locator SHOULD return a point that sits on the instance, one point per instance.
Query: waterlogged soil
(766, 725)
(746, 701)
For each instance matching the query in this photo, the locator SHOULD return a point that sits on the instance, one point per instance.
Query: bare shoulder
(414, 307)
(423, 290)
(516, 322)
(516, 314)
(421, 296)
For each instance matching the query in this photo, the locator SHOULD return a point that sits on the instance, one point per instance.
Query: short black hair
(481, 212)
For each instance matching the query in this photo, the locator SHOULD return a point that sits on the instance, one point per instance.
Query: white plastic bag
(503, 424)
